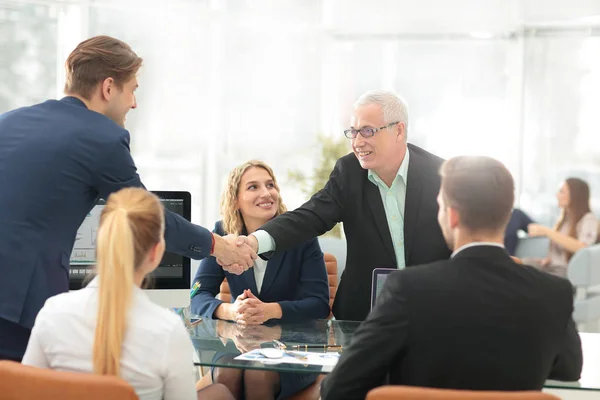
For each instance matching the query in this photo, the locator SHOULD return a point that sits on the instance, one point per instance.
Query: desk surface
(217, 343)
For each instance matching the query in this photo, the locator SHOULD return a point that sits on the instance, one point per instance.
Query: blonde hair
(131, 223)
(233, 222)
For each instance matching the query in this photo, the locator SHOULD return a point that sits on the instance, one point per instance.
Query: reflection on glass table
(217, 343)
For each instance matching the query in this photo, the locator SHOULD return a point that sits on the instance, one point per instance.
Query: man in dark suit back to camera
(56, 159)
(384, 194)
(477, 321)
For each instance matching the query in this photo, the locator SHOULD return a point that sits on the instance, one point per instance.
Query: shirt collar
(473, 244)
(94, 284)
(402, 171)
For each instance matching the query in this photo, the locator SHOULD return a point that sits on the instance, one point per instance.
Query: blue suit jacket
(296, 279)
(56, 159)
(518, 221)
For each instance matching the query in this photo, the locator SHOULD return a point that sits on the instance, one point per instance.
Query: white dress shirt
(260, 267)
(157, 353)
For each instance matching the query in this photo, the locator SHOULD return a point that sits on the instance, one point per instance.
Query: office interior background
(225, 81)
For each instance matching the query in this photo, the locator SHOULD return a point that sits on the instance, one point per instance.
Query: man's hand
(233, 254)
(252, 242)
(240, 241)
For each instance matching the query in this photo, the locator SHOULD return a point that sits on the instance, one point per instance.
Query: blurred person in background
(519, 221)
(291, 287)
(576, 228)
(111, 327)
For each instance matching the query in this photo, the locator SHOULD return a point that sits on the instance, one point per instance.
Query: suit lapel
(376, 205)
(411, 204)
(250, 281)
(273, 266)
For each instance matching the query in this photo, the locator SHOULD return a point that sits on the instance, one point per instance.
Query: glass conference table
(217, 343)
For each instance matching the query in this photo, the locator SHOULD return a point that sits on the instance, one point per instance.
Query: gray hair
(393, 107)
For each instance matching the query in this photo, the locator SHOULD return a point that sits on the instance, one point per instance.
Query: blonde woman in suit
(290, 287)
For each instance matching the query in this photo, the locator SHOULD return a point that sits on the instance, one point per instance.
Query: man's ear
(453, 217)
(107, 88)
(400, 131)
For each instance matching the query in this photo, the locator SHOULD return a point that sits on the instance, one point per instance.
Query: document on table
(328, 359)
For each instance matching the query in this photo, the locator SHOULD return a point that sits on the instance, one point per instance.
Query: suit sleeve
(569, 362)
(376, 345)
(524, 220)
(313, 289)
(210, 276)
(315, 217)
(117, 171)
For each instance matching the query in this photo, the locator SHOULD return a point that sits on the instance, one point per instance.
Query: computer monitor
(170, 282)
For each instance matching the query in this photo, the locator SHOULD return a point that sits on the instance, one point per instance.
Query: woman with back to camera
(110, 327)
(291, 287)
(576, 228)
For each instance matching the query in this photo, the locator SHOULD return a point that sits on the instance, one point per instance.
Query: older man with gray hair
(384, 193)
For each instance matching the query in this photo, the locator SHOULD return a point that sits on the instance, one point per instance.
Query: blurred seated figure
(291, 287)
(576, 228)
(111, 327)
(519, 221)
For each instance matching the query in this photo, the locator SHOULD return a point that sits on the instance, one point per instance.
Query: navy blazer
(56, 159)
(296, 279)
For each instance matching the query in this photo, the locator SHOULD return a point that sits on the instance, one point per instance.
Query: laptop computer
(377, 281)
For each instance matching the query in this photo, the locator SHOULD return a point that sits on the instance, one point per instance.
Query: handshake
(236, 254)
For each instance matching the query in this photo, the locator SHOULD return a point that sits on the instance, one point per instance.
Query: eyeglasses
(366, 132)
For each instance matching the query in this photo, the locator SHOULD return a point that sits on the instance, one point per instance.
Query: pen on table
(317, 346)
(194, 289)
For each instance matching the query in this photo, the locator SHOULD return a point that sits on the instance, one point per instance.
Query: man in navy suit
(56, 159)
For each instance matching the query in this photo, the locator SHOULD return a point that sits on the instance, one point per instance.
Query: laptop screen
(378, 280)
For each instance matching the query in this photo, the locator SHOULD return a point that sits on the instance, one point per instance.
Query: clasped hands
(238, 253)
(249, 310)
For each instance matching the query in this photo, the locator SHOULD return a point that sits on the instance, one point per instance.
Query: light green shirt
(393, 199)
